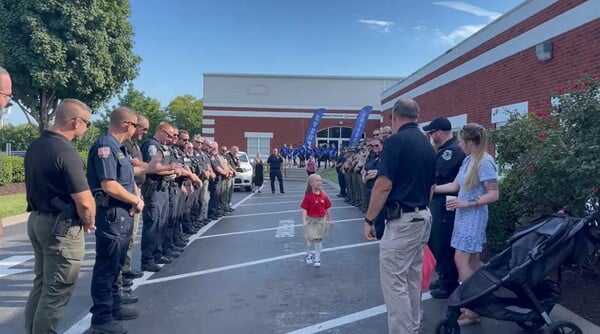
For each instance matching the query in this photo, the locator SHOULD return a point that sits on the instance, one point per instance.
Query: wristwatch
(368, 221)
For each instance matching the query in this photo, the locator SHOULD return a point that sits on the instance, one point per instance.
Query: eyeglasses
(184, 140)
(376, 145)
(198, 142)
(85, 121)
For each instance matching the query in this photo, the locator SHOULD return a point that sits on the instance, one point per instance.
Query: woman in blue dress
(477, 186)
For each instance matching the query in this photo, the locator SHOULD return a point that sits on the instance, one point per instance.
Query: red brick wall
(532, 22)
(230, 130)
(518, 78)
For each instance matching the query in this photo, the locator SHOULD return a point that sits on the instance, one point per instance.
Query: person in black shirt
(275, 161)
(54, 171)
(403, 189)
(449, 160)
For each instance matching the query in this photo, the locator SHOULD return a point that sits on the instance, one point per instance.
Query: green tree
(149, 107)
(58, 49)
(186, 113)
(19, 136)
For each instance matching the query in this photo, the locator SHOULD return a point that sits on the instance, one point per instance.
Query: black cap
(440, 123)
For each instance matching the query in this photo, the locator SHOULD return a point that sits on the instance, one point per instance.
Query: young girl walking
(315, 217)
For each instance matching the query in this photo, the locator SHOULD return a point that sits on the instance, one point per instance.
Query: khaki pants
(57, 264)
(226, 187)
(400, 262)
(205, 197)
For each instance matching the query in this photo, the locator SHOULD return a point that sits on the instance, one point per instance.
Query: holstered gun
(66, 218)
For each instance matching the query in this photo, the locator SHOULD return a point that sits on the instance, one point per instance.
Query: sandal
(468, 317)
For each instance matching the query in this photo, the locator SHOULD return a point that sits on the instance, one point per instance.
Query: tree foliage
(19, 136)
(56, 49)
(186, 112)
(149, 107)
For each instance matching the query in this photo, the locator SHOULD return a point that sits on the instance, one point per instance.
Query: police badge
(447, 155)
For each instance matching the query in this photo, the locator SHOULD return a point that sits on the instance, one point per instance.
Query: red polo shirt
(316, 205)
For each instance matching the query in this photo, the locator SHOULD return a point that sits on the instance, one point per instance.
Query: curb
(14, 220)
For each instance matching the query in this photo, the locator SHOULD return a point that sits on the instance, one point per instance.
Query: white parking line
(83, 324)
(266, 229)
(251, 263)
(276, 212)
(12, 261)
(285, 202)
(348, 319)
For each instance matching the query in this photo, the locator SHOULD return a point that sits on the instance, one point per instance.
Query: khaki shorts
(316, 228)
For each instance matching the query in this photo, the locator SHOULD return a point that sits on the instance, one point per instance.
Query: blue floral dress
(470, 223)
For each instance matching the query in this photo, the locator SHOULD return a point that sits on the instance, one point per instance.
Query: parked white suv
(243, 178)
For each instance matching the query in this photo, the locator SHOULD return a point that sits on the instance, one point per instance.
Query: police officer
(111, 178)
(215, 184)
(140, 168)
(370, 172)
(234, 162)
(5, 96)
(403, 189)
(54, 170)
(449, 160)
(155, 151)
(203, 147)
(275, 161)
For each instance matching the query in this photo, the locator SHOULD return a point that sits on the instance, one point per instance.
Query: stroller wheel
(447, 327)
(563, 327)
(531, 326)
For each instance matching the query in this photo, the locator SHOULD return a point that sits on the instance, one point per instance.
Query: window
(258, 144)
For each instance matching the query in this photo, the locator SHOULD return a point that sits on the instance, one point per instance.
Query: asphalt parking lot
(242, 274)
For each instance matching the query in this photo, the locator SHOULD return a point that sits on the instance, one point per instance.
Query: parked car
(243, 178)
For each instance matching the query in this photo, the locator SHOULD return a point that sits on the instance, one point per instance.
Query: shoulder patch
(447, 155)
(104, 152)
(152, 150)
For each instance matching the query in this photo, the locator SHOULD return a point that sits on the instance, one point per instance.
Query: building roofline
(300, 76)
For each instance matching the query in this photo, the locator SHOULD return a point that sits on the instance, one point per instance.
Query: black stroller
(513, 285)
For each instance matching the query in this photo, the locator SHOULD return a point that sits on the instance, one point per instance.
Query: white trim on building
(258, 134)
(208, 130)
(208, 121)
(282, 114)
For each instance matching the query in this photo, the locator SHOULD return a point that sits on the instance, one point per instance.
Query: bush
(5, 170)
(12, 169)
(552, 157)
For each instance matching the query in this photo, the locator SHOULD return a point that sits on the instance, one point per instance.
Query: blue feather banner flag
(359, 125)
(311, 132)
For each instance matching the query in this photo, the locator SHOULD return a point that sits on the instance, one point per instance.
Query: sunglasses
(132, 123)
(168, 135)
(85, 121)
(432, 132)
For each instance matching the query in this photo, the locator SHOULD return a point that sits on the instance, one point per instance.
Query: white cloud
(419, 28)
(465, 7)
(383, 26)
(459, 34)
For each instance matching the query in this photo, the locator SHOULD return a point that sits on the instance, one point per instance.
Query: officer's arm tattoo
(491, 185)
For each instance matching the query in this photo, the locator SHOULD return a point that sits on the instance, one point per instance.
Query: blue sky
(178, 40)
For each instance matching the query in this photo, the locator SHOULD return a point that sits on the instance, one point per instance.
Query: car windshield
(243, 157)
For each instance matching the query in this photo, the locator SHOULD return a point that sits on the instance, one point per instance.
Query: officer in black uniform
(403, 190)
(155, 151)
(214, 186)
(449, 160)
(111, 179)
(275, 161)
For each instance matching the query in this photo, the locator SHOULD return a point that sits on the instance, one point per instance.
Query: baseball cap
(440, 123)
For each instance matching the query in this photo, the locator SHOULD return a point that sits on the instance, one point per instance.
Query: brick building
(260, 112)
(515, 63)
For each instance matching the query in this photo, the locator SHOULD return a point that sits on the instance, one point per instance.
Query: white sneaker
(309, 258)
(317, 264)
